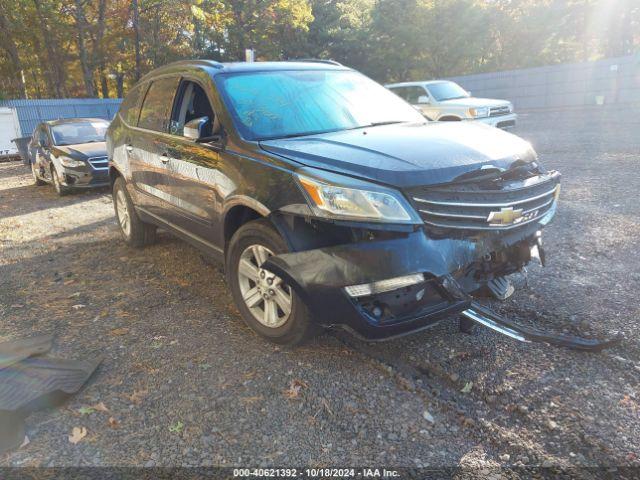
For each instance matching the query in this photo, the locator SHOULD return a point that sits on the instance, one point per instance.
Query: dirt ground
(186, 383)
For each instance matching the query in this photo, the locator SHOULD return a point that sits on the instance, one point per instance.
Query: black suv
(70, 153)
(331, 201)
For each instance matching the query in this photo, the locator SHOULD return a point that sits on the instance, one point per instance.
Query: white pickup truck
(442, 100)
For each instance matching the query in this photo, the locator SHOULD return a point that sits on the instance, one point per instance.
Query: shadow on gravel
(28, 199)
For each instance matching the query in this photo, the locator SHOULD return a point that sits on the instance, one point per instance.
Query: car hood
(83, 151)
(476, 102)
(406, 155)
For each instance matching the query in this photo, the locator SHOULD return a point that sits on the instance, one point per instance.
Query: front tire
(267, 305)
(60, 189)
(135, 232)
(36, 179)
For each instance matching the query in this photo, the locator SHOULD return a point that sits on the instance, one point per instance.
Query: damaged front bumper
(448, 269)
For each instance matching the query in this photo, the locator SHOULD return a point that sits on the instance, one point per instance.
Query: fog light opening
(382, 286)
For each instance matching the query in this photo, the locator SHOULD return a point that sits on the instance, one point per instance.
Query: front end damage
(383, 282)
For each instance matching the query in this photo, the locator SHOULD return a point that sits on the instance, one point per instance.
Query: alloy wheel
(266, 296)
(122, 212)
(56, 181)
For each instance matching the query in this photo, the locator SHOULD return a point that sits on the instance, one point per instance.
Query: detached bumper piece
(17, 350)
(486, 317)
(29, 382)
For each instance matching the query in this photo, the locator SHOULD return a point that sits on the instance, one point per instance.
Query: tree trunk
(55, 61)
(104, 84)
(136, 31)
(87, 71)
(8, 44)
(98, 48)
(120, 85)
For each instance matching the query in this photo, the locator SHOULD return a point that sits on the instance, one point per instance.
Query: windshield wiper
(387, 122)
(377, 124)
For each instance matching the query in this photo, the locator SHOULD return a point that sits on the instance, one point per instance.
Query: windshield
(81, 132)
(447, 91)
(268, 105)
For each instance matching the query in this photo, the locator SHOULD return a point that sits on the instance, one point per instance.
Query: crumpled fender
(318, 275)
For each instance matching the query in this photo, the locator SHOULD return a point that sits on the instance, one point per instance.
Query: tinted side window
(130, 106)
(43, 137)
(157, 104)
(410, 94)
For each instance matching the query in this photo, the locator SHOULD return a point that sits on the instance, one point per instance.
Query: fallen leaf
(467, 387)
(138, 395)
(177, 427)
(294, 389)
(119, 331)
(78, 306)
(100, 407)
(428, 417)
(86, 410)
(77, 434)
(113, 423)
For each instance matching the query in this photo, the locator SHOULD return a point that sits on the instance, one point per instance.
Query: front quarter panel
(254, 179)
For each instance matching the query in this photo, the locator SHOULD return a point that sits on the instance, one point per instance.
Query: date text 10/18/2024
(315, 473)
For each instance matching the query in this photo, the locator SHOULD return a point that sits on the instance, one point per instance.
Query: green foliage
(100, 47)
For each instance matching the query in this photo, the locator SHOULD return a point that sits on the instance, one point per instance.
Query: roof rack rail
(203, 61)
(316, 60)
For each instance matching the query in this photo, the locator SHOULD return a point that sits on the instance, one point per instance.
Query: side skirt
(200, 243)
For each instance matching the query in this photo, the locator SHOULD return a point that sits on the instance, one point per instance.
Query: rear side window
(130, 106)
(157, 104)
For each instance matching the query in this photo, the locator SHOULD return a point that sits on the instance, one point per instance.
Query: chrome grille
(497, 111)
(471, 206)
(99, 163)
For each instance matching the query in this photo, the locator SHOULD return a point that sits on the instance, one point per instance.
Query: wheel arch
(449, 118)
(113, 174)
(239, 211)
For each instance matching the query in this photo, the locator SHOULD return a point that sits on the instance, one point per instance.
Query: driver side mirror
(196, 129)
(423, 100)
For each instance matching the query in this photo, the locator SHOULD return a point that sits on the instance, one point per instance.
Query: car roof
(232, 67)
(62, 121)
(413, 84)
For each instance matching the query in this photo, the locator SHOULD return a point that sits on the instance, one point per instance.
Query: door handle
(129, 148)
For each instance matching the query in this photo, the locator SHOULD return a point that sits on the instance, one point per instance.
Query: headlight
(341, 202)
(70, 162)
(479, 112)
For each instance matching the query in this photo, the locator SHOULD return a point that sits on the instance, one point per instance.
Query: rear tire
(36, 179)
(135, 232)
(267, 305)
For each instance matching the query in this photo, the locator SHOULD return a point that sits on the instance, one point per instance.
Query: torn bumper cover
(387, 288)
(486, 317)
(325, 278)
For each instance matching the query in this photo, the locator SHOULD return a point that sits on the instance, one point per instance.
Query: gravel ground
(186, 383)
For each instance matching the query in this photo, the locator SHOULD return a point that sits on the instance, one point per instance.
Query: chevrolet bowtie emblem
(506, 216)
